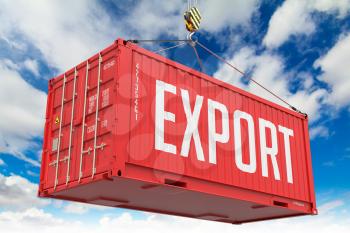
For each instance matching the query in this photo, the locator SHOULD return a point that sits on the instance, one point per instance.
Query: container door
(96, 148)
(62, 129)
(82, 122)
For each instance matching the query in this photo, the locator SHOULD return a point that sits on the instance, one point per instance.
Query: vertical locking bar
(60, 131)
(96, 114)
(71, 125)
(83, 123)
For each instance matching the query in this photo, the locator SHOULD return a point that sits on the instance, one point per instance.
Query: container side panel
(187, 125)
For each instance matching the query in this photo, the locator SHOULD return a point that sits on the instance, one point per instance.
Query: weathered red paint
(134, 171)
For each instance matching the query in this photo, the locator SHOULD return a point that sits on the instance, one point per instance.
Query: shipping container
(129, 128)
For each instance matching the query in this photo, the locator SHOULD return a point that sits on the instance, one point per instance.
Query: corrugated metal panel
(225, 171)
(107, 153)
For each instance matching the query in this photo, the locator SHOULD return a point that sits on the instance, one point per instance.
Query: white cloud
(13, 44)
(149, 19)
(39, 154)
(339, 7)
(320, 224)
(33, 219)
(32, 66)
(87, 27)
(76, 208)
(80, 208)
(18, 193)
(218, 15)
(34, 174)
(289, 19)
(167, 17)
(319, 131)
(21, 117)
(294, 18)
(9, 64)
(268, 69)
(309, 101)
(32, 216)
(65, 32)
(336, 71)
(2, 163)
(329, 206)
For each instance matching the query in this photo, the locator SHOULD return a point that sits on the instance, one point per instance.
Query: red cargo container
(129, 128)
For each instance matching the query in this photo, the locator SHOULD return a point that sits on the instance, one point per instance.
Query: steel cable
(171, 47)
(219, 58)
(250, 78)
(157, 41)
(198, 58)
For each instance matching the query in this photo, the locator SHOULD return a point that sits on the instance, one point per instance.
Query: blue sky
(300, 49)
